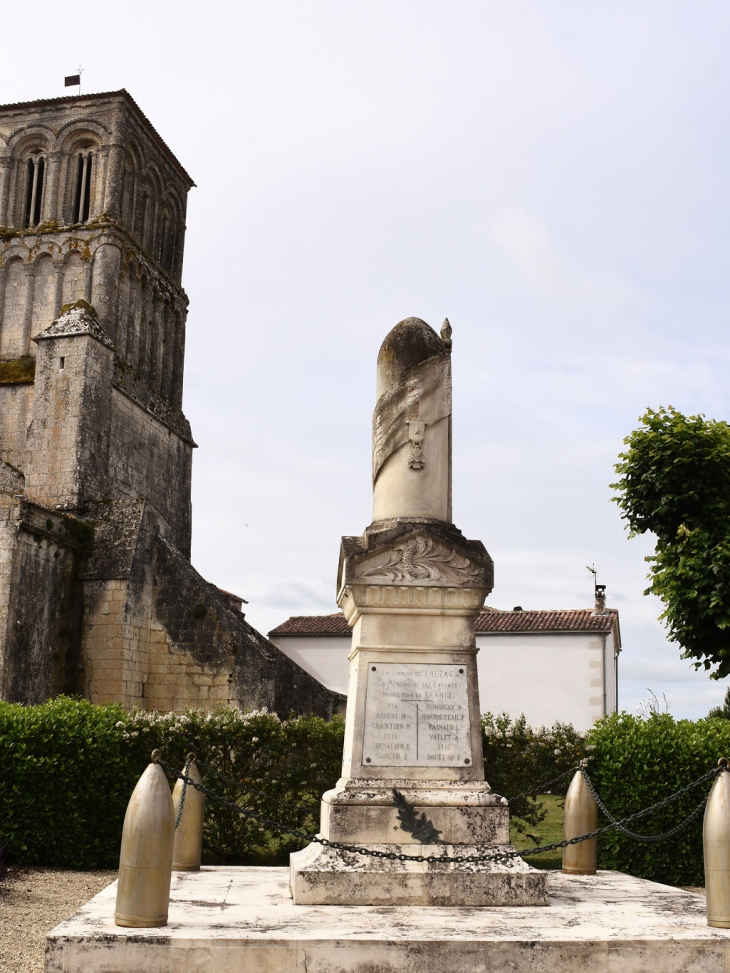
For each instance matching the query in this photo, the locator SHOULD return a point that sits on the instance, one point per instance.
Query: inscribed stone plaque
(416, 716)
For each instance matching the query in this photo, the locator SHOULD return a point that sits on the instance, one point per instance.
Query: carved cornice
(52, 237)
(361, 598)
(420, 560)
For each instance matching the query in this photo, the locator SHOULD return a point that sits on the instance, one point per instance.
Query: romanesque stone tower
(92, 208)
(97, 594)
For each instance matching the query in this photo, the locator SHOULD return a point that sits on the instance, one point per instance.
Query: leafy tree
(675, 482)
(721, 712)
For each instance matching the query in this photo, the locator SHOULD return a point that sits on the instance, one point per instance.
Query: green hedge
(518, 757)
(291, 761)
(638, 762)
(69, 768)
(65, 783)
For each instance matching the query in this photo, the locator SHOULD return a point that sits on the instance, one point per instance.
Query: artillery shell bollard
(716, 841)
(579, 817)
(189, 831)
(145, 861)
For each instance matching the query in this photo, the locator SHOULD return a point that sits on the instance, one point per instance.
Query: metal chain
(500, 856)
(667, 800)
(540, 787)
(252, 790)
(184, 792)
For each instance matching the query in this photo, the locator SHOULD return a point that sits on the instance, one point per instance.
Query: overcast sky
(552, 176)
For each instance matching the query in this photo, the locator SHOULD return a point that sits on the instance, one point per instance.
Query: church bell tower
(92, 210)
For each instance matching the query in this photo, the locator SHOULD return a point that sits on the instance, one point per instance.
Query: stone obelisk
(411, 588)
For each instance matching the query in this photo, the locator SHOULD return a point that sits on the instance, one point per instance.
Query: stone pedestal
(242, 919)
(411, 592)
(326, 876)
(411, 588)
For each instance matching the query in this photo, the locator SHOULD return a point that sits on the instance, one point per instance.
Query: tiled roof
(232, 594)
(334, 624)
(569, 620)
(122, 93)
(489, 620)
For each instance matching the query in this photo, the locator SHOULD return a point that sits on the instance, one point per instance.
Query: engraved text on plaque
(416, 716)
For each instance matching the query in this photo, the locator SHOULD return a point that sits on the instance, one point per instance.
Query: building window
(82, 199)
(34, 193)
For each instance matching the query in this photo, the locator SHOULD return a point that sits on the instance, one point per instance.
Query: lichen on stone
(17, 371)
(78, 318)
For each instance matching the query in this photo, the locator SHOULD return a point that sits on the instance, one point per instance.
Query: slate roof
(489, 620)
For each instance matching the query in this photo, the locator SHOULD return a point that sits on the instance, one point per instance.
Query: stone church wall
(150, 460)
(68, 438)
(8, 529)
(206, 632)
(97, 593)
(160, 637)
(16, 405)
(12, 344)
(105, 283)
(73, 279)
(40, 555)
(44, 296)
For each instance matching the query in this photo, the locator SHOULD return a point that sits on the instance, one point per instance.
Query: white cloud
(524, 239)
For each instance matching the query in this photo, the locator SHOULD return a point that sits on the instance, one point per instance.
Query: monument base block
(227, 920)
(327, 876)
(363, 812)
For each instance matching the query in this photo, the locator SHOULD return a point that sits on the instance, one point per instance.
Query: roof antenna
(599, 592)
(594, 571)
(74, 79)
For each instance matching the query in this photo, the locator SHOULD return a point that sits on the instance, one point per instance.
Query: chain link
(252, 790)
(184, 792)
(540, 789)
(667, 800)
(497, 856)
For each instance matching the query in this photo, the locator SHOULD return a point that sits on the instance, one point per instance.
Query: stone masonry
(97, 593)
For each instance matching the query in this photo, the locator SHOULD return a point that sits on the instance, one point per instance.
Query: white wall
(546, 677)
(323, 656)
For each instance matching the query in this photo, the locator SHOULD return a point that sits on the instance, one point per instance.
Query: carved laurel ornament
(422, 560)
(420, 827)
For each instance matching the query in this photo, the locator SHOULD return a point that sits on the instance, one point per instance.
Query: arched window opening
(141, 227)
(82, 198)
(36, 166)
(127, 205)
(166, 242)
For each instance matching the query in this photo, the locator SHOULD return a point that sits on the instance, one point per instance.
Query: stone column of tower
(411, 588)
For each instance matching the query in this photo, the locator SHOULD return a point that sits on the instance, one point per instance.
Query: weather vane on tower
(74, 79)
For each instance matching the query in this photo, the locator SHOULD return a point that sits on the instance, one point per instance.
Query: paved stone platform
(242, 919)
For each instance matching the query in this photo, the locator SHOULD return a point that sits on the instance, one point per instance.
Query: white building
(549, 665)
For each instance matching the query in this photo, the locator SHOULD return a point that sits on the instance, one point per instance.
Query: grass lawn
(548, 831)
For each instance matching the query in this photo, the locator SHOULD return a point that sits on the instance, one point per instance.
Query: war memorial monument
(390, 895)
(411, 588)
